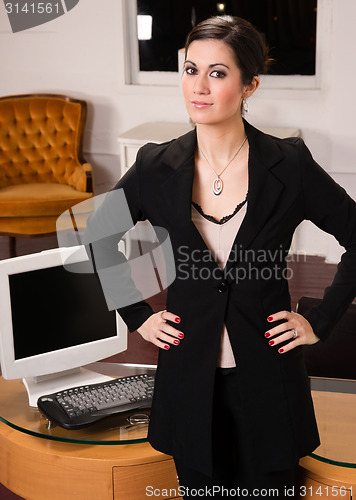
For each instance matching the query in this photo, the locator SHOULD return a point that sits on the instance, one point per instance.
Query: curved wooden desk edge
(37, 468)
(314, 472)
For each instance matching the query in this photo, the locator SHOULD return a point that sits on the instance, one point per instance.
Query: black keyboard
(79, 406)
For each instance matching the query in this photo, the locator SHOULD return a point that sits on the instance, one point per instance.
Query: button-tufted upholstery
(42, 172)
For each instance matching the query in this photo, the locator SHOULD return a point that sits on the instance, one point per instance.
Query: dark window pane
(289, 27)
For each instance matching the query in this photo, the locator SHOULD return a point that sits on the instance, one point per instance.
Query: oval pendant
(217, 186)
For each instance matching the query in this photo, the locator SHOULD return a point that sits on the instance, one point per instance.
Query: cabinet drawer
(140, 481)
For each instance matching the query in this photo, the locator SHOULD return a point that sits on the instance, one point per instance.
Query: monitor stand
(54, 382)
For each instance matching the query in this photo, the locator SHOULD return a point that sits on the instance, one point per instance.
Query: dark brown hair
(245, 41)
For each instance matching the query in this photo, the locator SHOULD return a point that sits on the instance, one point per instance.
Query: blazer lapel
(177, 188)
(177, 191)
(264, 188)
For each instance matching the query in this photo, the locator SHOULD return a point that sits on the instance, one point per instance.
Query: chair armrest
(82, 178)
(88, 169)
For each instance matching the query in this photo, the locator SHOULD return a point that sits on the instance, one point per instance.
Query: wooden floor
(308, 277)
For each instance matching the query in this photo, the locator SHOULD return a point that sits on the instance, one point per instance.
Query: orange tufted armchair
(42, 171)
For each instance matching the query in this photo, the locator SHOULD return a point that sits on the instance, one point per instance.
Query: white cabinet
(131, 141)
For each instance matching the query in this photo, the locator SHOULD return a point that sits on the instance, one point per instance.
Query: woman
(232, 401)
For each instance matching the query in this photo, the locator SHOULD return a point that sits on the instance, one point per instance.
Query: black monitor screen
(54, 309)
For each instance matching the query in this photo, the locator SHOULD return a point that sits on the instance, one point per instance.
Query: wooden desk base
(39, 469)
(322, 481)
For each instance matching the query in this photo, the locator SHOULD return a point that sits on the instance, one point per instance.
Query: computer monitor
(54, 321)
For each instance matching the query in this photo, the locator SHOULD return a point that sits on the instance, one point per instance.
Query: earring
(244, 106)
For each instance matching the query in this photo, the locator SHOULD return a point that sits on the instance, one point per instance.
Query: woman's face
(211, 83)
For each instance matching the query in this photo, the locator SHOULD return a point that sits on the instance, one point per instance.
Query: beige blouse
(219, 239)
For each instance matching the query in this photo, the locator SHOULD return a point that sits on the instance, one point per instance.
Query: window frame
(135, 77)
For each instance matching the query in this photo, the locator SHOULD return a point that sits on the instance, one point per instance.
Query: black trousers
(233, 473)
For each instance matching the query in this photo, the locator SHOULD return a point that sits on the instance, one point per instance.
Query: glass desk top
(334, 402)
(114, 430)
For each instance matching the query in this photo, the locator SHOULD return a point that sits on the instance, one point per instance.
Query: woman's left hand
(294, 323)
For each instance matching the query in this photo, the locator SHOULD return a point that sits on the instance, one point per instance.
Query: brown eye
(218, 74)
(190, 70)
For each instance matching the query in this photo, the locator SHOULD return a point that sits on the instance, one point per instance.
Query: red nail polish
(281, 350)
(270, 318)
(176, 342)
(271, 342)
(180, 335)
(177, 320)
(166, 346)
(267, 334)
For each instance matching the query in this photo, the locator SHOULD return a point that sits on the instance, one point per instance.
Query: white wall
(82, 54)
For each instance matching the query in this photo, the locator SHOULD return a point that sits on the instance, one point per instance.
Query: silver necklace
(218, 183)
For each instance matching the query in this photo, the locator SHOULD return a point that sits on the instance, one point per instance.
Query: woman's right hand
(156, 330)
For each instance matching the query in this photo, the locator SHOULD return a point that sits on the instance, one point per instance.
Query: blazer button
(222, 287)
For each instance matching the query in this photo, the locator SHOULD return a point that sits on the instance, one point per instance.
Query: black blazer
(286, 186)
